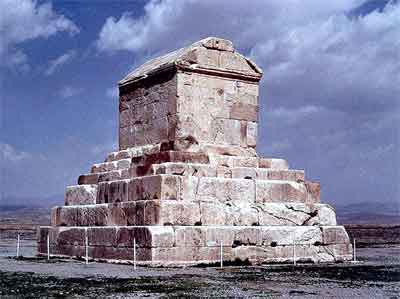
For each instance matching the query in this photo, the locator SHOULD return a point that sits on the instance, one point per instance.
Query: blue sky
(329, 96)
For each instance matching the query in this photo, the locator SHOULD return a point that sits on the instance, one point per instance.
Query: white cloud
(296, 114)
(70, 91)
(9, 153)
(59, 61)
(331, 83)
(23, 20)
(313, 52)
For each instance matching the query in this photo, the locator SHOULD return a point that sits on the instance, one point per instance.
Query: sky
(329, 97)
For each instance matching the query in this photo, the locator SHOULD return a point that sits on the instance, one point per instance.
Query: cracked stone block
(185, 169)
(280, 191)
(221, 189)
(334, 235)
(80, 195)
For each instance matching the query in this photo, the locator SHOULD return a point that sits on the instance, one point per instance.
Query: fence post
(48, 246)
(134, 253)
(86, 247)
(354, 250)
(294, 250)
(221, 255)
(18, 246)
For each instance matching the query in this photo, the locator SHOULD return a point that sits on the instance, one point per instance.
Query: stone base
(191, 245)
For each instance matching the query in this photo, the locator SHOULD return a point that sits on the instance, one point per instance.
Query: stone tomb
(187, 176)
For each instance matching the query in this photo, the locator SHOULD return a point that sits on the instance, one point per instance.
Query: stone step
(168, 245)
(133, 152)
(171, 212)
(201, 170)
(110, 166)
(193, 157)
(175, 187)
(190, 188)
(94, 178)
(189, 169)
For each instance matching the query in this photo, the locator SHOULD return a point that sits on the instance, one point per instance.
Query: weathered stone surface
(180, 245)
(187, 178)
(280, 191)
(80, 195)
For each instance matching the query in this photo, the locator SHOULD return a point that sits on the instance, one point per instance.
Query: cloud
(296, 114)
(59, 61)
(24, 20)
(9, 154)
(329, 95)
(69, 91)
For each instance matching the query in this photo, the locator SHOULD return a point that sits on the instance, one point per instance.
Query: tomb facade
(187, 178)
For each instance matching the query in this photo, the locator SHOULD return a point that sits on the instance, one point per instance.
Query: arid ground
(376, 275)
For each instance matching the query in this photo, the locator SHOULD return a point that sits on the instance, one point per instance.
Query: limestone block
(247, 236)
(219, 44)
(273, 163)
(154, 187)
(284, 235)
(185, 169)
(215, 235)
(178, 213)
(189, 186)
(221, 189)
(326, 216)
(139, 212)
(242, 111)
(334, 235)
(224, 172)
(313, 191)
(170, 156)
(232, 161)
(102, 236)
(277, 174)
(117, 215)
(212, 213)
(85, 179)
(230, 150)
(335, 252)
(106, 253)
(118, 191)
(91, 215)
(244, 173)
(130, 211)
(280, 191)
(68, 235)
(80, 195)
(251, 134)
(152, 236)
(115, 191)
(226, 131)
(110, 166)
(110, 176)
(188, 236)
(288, 214)
(234, 62)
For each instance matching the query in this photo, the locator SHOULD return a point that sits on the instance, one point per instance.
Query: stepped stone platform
(187, 179)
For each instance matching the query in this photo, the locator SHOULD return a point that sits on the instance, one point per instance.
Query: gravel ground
(377, 275)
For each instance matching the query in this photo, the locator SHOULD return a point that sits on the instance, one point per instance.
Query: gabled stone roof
(211, 55)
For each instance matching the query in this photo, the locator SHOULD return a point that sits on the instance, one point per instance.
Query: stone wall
(147, 111)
